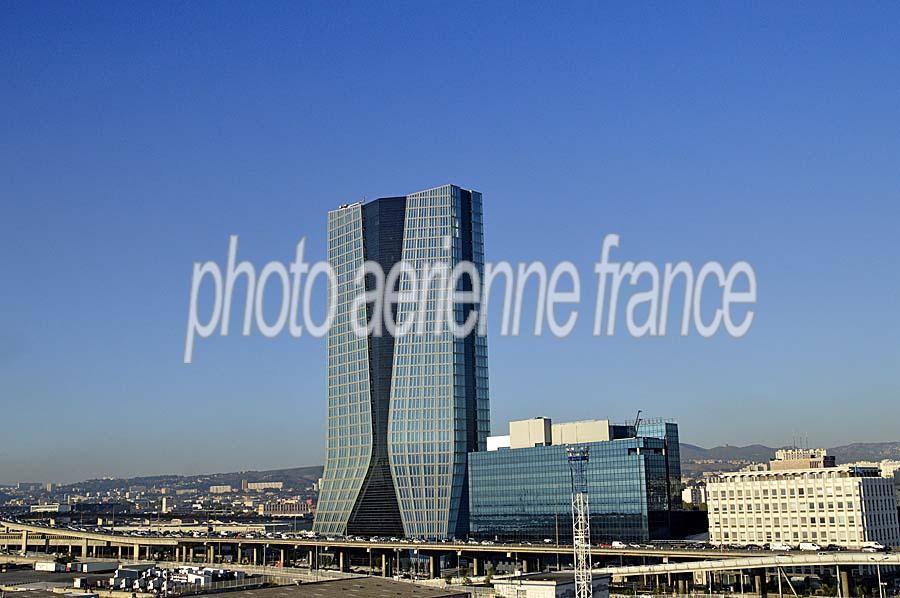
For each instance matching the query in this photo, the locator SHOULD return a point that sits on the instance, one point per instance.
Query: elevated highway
(769, 561)
(385, 557)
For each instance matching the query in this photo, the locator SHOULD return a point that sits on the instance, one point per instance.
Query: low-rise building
(245, 485)
(799, 458)
(547, 585)
(285, 508)
(845, 506)
(694, 495)
(50, 508)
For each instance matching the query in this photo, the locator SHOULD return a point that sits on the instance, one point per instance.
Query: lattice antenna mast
(581, 521)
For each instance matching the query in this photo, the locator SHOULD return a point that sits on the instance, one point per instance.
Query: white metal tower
(581, 521)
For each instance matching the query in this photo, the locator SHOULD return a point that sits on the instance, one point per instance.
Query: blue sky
(135, 138)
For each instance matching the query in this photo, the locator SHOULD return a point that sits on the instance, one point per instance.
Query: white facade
(845, 506)
(526, 433)
(549, 585)
(592, 430)
(498, 442)
(889, 469)
(694, 495)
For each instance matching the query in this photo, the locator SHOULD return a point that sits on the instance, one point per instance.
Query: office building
(842, 505)
(252, 486)
(404, 412)
(798, 458)
(889, 469)
(50, 508)
(285, 508)
(694, 496)
(167, 504)
(525, 493)
(547, 585)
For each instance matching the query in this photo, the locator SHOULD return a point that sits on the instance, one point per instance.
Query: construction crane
(637, 422)
(581, 521)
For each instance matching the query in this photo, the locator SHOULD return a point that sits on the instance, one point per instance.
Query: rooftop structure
(797, 458)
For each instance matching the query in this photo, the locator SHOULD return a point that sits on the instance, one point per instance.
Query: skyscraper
(404, 412)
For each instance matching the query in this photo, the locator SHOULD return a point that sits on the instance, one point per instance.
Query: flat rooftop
(560, 577)
(21, 576)
(357, 587)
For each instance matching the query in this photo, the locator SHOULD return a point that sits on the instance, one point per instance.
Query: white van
(780, 547)
(810, 546)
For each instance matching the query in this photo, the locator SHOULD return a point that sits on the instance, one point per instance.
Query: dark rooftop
(358, 587)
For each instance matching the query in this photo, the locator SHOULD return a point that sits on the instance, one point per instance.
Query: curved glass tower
(403, 413)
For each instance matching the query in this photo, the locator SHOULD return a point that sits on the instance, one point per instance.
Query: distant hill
(295, 477)
(755, 453)
(696, 459)
(866, 451)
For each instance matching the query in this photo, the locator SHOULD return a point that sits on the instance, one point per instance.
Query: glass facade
(404, 411)
(665, 430)
(439, 396)
(349, 438)
(525, 494)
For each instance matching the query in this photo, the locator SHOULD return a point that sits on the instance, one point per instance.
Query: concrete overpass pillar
(238, 552)
(136, 552)
(434, 566)
(385, 565)
(759, 581)
(210, 553)
(844, 582)
(476, 567)
(255, 555)
(120, 552)
(282, 557)
(24, 541)
(525, 565)
(84, 548)
(343, 562)
(311, 559)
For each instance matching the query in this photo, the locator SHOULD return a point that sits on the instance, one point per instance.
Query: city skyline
(137, 141)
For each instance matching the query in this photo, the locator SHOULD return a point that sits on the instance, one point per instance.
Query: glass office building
(526, 493)
(403, 413)
(666, 430)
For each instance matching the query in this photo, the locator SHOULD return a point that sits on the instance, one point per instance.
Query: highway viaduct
(340, 554)
(675, 566)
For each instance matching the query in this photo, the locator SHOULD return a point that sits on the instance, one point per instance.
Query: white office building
(845, 506)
